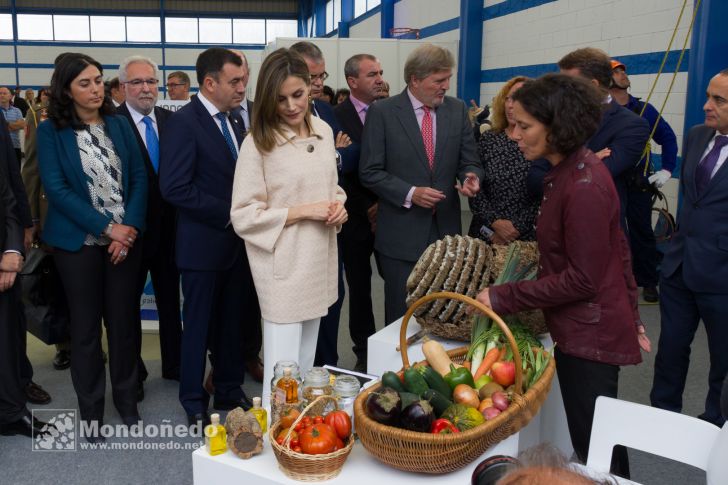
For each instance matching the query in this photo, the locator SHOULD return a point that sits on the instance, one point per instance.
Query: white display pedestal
(360, 469)
(550, 423)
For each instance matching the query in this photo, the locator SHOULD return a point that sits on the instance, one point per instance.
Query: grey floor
(20, 465)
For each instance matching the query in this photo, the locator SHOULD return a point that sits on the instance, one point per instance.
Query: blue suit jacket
(350, 154)
(196, 171)
(71, 216)
(700, 243)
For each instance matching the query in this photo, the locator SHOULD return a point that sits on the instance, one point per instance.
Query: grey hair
(425, 60)
(308, 50)
(133, 60)
(351, 67)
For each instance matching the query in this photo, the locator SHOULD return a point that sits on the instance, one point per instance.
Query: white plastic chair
(653, 430)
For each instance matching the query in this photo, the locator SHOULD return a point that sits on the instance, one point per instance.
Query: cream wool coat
(294, 267)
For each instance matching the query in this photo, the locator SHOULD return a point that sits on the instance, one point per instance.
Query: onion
(500, 400)
(464, 394)
(490, 413)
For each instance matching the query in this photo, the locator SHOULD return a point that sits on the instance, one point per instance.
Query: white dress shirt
(213, 112)
(140, 125)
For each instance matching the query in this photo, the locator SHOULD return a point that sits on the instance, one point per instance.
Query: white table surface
(360, 468)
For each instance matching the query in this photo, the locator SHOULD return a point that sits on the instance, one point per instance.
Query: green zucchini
(435, 381)
(439, 402)
(391, 379)
(414, 382)
(408, 398)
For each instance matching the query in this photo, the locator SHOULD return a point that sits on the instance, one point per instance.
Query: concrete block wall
(637, 32)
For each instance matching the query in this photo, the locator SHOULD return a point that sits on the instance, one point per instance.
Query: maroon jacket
(585, 284)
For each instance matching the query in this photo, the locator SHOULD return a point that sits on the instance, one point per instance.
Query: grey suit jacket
(393, 160)
(700, 243)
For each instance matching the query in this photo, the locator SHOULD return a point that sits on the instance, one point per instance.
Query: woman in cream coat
(288, 207)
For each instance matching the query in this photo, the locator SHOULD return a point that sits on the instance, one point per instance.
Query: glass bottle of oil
(288, 385)
(215, 436)
(261, 415)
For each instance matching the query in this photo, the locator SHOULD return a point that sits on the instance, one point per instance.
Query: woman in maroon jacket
(585, 284)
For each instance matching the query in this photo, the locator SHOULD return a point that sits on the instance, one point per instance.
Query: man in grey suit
(694, 280)
(415, 147)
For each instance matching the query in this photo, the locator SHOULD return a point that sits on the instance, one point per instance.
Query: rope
(647, 150)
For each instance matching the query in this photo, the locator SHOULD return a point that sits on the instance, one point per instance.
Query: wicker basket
(444, 453)
(303, 467)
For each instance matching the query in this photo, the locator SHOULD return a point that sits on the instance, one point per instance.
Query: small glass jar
(346, 388)
(315, 384)
(277, 405)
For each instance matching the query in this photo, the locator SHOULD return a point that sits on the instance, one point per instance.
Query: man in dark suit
(622, 135)
(364, 76)
(14, 415)
(326, 351)
(694, 280)
(196, 175)
(139, 78)
(415, 146)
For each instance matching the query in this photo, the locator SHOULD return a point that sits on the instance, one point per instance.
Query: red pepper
(443, 426)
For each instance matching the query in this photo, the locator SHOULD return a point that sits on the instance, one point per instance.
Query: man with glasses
(178, 86)
(329, 329)
(196, 176)
(139, 79)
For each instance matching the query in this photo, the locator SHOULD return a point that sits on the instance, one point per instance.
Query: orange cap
(616, 64)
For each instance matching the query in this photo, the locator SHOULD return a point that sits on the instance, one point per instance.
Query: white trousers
(287, 341)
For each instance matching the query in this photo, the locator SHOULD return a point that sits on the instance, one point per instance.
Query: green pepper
(459, 376)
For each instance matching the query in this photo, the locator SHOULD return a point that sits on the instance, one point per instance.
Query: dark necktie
(226, 134)
(707, 164)
(152, 143)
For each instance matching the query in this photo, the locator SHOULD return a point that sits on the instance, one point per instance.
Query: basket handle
(480, 307)
(323, 397)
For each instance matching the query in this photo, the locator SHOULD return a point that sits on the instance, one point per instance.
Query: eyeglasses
(320, 77)
(137, 83)
(174, 85)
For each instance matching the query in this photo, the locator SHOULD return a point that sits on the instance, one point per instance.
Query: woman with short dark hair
(94, 177)
(585, 284)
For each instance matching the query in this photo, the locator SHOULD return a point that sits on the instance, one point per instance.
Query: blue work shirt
(11, 115)
(664, 136)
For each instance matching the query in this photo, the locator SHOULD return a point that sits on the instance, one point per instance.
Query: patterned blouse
(102, 167)
(503, 192)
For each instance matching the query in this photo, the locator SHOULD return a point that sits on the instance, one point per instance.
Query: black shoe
(649, 293)
(203, 418)
(140, 391)
(62, 360)
(36, 394)
(171, 375)
(27, 425)
(244, 403)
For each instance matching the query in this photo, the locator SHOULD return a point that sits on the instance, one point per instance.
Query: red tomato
(297, 449)
(318, 439)
(339, 444)
(341, 422)
(318, 419)
(280, 440)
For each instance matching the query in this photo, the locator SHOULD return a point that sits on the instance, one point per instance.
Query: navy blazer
(11, 232)
(15, 180)
(350, 154)
(71, 216)
(196, 171)
(623, 132)
(700, 243)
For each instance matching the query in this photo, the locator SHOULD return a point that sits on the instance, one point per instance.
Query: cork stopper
(215, 419)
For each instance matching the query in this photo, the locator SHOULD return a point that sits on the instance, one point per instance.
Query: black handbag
(46, 308)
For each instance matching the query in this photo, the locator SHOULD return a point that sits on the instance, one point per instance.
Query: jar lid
(347, 385)
(316, 377)
(281, 366)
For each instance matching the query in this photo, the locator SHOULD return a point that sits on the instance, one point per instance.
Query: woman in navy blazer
(95, 181)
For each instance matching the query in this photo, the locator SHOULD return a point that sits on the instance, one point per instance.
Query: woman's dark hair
(329, 91)
(569, 107)
(60, 106)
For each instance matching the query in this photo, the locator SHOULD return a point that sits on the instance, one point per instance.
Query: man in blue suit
(197, 164)
(694, 280)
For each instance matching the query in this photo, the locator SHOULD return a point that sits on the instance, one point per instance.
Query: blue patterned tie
(226, 134)
(707, 165)
(152, 143)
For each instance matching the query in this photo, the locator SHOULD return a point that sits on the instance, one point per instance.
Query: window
(71, 27)
(360, 7)
(181, 30)
(144, 29)
(35, 27)
(108, 29)
(248, 31)
(329, 16)
(216, 31)
(6, 26)
(281, 28)
(373, 3)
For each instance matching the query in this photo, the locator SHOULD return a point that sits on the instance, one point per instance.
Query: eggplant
(384, 406)
(418, 416)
